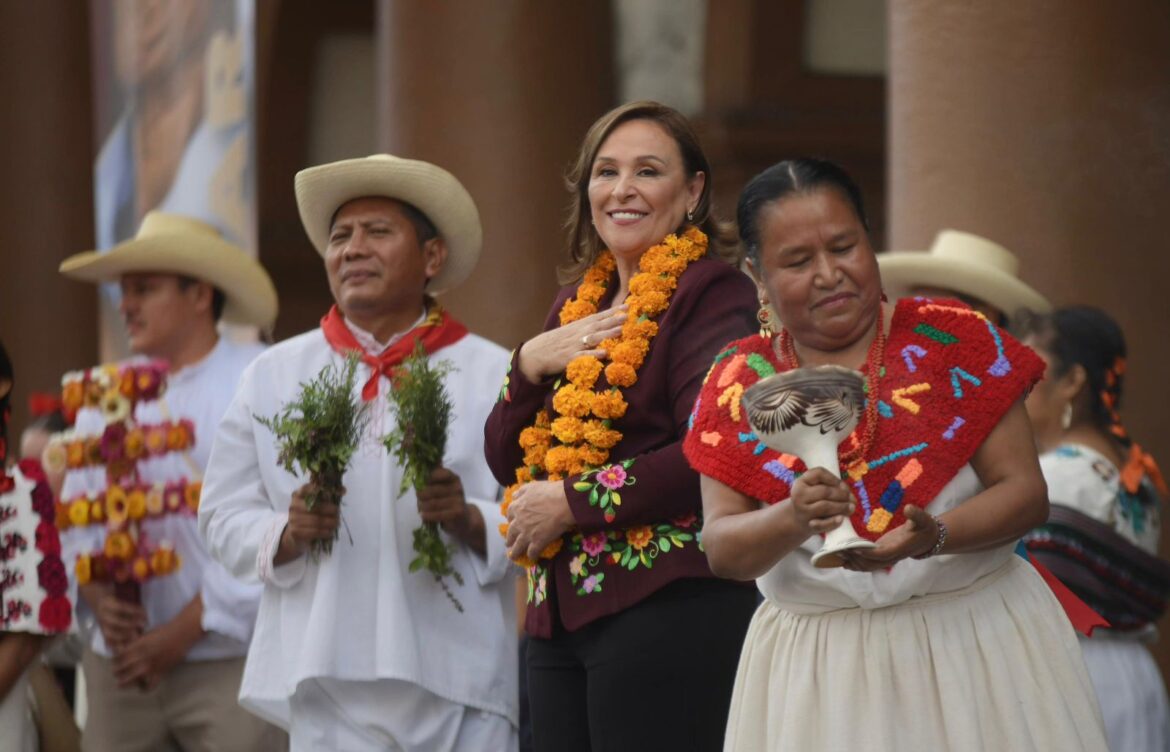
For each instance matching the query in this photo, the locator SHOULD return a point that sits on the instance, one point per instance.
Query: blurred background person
(966, 267)
(1106, 498)
(605, 512)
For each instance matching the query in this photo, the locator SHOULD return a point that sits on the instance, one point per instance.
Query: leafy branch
(422, 411)
(319, 432)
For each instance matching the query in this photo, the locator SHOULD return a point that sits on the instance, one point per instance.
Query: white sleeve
(229, 605)
(494, 566)
(235, 513)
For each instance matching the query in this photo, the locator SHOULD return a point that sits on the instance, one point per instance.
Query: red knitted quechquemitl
(949, 376)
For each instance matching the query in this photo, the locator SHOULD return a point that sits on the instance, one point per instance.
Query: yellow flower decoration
(587, 443)
(119, 545)
(83, 568)
(136, 503)
(154, 500)
(191, 495)
(117, 508)
(79, 512)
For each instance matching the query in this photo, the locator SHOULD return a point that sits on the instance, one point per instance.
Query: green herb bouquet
(318, 433)
(422, 412)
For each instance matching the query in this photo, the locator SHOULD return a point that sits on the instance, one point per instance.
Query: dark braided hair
(1089, 337)
(783, 179)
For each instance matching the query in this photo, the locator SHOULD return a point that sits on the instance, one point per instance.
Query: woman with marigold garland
(940, 637)
(603, 511)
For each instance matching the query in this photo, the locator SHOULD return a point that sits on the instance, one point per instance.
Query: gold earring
(764, 316)
(690, 215)
(1066, 416)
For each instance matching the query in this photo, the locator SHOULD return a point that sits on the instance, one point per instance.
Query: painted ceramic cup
(808, 412)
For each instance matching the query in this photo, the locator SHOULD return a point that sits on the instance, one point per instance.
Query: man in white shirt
(352, 650)
(163, 674)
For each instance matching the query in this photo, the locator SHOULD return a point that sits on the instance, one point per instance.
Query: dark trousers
(655, 676)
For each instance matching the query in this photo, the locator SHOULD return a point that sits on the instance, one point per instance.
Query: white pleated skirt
(994, 666)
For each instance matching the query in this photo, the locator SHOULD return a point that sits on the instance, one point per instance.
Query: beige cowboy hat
(967, 264)
(182, 245)
(322, 190)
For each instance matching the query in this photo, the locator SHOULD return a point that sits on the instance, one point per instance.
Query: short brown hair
(584, 244)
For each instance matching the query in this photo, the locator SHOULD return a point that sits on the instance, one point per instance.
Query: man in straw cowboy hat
(352, 650)
(164, 673)
(960, 265)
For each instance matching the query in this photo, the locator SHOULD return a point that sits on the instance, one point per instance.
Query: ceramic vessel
(808, 412)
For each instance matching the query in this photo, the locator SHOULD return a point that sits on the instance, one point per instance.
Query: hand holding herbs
(318, 432)
(422, 411)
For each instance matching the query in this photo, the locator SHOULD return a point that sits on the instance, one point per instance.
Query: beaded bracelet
(938, 544)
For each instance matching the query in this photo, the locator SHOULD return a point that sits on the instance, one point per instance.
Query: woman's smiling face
(639, 191)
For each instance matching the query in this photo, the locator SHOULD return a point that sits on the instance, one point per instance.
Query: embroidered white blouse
(358, 614)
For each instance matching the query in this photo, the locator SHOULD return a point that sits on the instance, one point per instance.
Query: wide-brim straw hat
(176, 244)
(967, 264)
(322, 190)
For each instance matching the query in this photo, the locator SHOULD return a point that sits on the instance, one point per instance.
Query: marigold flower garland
(583, 428)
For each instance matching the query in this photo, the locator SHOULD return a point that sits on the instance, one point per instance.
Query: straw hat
(967, 264)
(322, 190)
(183, 245)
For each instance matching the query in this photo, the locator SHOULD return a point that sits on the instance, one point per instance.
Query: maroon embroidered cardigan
(641, 530)
(949, 377)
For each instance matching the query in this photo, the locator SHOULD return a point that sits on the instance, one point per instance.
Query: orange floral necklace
(583, 429)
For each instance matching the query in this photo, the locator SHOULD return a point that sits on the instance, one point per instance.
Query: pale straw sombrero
(322, 190)
(966, 263)
(176, 244)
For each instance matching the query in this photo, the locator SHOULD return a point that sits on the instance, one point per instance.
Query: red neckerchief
(436, 332)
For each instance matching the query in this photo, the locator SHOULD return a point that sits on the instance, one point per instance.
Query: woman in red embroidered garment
(633, 641)
(940, 637)
(1104, 524)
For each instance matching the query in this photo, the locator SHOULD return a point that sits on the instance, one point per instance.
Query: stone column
(47, 323)
(500, 93)
(1045, 126)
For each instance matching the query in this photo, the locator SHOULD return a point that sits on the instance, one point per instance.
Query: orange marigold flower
(140, 569)
(119, 545)
(72, 396)
(649, 304)
(643, 284)
(83, 568)
(93, 393)
(507, 502)
(75, 454)
(93, 451)
(533, 436)
(126, 383)
(640, 329)
(630, 352)
(156, 439)
(524, 474)
(572, 401)
(620, 374)
(583, 371)
(639, 537)
(594, 456)
(560, 459)
(568, 430)
(164, 561)
(552, 549)
(534, 457)
(135, 443)
(524, 562)
(136, 503)
(191, 495)
(176, 437)
(62, 518)
(609, 404)
(542, 419)
(576, 309)
(97, 510)
(598, 435)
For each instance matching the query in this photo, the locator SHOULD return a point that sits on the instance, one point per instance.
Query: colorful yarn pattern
(949, 377)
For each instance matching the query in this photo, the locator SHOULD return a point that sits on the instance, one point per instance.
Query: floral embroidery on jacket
(504, 395)
(627, 549)
(603, 490)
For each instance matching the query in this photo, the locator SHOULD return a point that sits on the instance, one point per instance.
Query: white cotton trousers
(387, 715)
